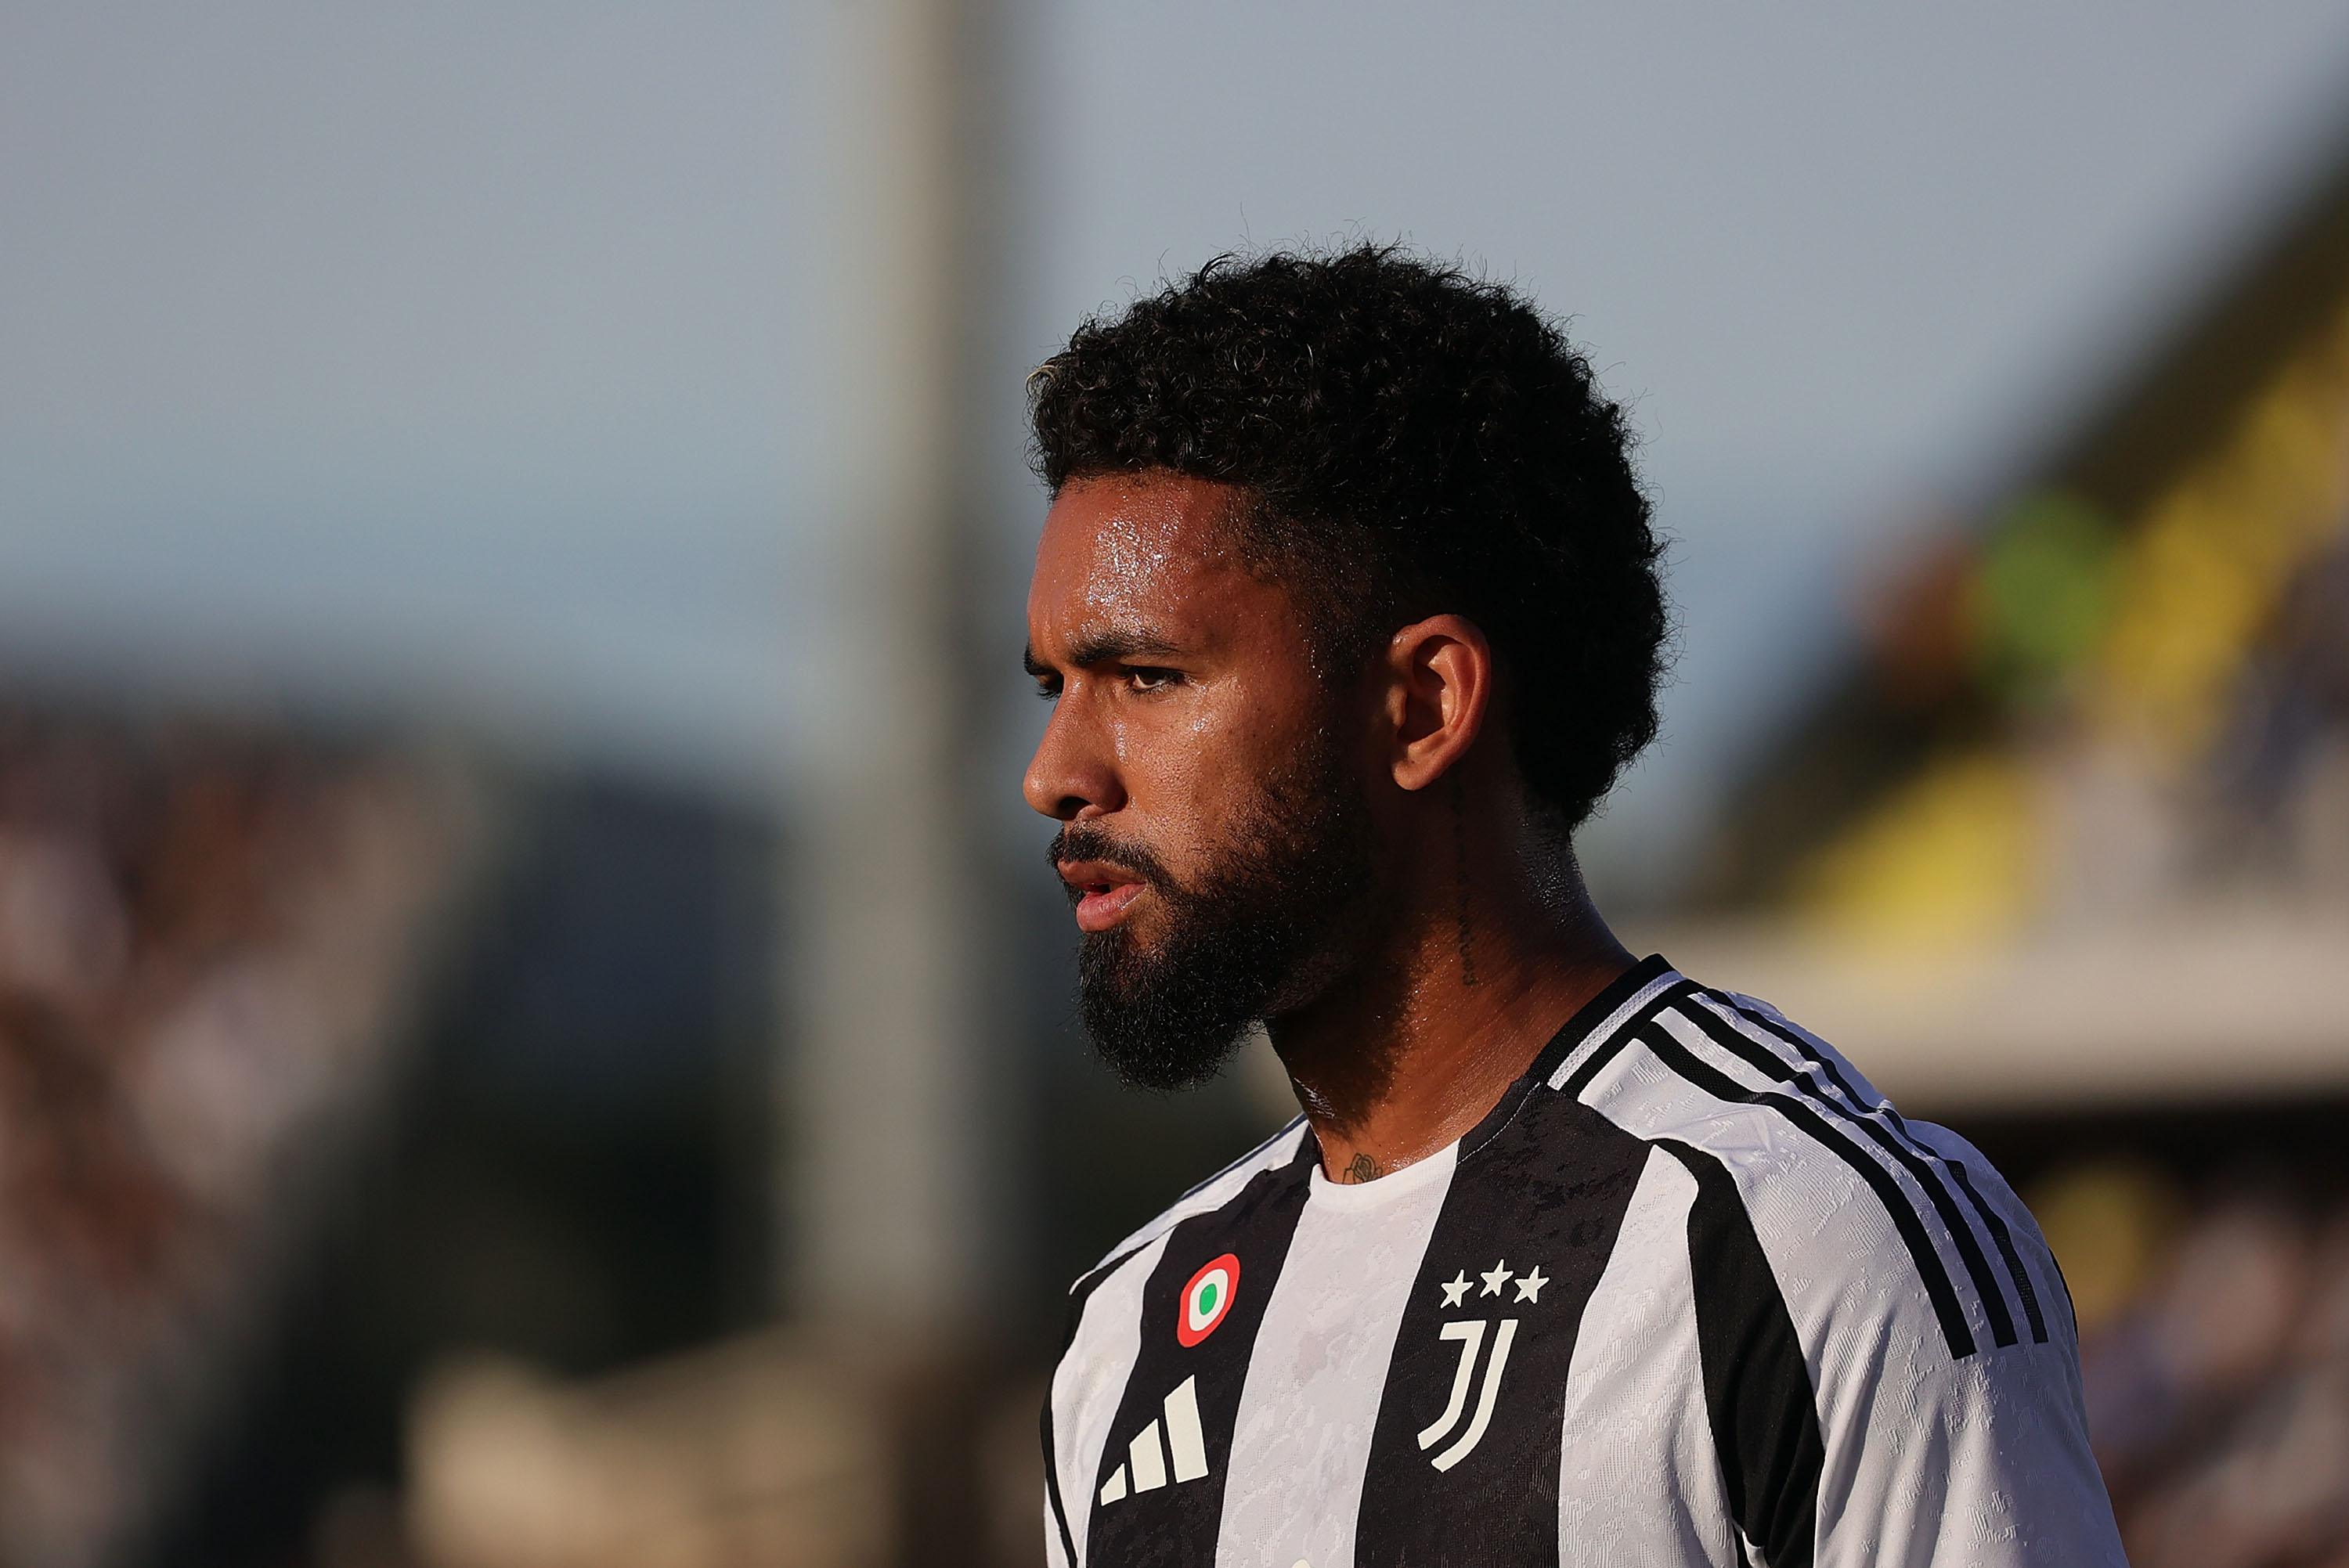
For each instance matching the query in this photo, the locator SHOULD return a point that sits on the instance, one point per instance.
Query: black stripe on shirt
(1612, 1046)
(1905, 1219)
(1991, 1221)
(2004, 1239)
(1563, 1044)
(1757, 1386)
(1084, 1287)
(1174, 1525)
(1528, 1226)
(1769, 1063)
(1597, 1011)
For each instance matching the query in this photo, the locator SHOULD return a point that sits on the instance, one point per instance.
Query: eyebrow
(1101, 647)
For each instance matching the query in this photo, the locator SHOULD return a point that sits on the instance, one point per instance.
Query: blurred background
(531, 1034)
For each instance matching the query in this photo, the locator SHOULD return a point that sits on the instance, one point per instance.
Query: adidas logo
(1183, 1453)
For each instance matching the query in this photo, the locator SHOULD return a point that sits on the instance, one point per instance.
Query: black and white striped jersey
(1694, 1293)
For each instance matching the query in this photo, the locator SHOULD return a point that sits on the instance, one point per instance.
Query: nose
(1073, 776)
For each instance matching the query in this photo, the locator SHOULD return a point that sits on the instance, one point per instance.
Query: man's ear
(1440, 675)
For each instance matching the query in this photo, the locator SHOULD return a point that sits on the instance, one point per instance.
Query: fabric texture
(1692, 1293)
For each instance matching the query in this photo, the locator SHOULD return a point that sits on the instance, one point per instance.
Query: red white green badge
(1207, 1298)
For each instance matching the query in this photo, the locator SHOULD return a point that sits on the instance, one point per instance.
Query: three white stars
(1530, 1283)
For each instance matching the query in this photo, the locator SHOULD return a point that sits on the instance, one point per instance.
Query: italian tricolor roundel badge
(1207, 1298)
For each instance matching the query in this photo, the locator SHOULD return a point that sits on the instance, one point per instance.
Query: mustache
(1085, 841)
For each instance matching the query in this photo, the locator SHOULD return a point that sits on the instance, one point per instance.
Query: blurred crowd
(2215, 1360)
(2090, 710)
(2284, 768)
(205, 935)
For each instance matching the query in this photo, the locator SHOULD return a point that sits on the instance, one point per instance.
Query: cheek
(1193, 769)
(1170, 761)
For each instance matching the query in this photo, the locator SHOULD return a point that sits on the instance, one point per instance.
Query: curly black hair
(1415, 440)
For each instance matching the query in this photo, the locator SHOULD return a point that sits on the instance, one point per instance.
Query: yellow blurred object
(1960, 855)
(1948, 861)
(2203, 571)
(2110, 1225)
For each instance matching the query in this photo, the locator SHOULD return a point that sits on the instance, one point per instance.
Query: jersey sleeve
(1890, 1370)
(1984, 1461)
(1931, 1458)
(1848, 1431)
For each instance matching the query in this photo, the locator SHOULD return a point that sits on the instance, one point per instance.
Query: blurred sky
(472, 358)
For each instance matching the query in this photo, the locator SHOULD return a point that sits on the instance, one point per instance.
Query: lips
(1103, 891)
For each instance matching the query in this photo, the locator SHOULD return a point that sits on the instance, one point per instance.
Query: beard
(1243, 939)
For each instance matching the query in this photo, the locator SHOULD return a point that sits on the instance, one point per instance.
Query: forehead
(1129, 549)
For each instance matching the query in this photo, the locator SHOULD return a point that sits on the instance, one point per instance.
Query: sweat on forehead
(1115, 547)
(1150, 517)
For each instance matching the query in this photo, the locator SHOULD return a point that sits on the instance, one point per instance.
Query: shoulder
(1110, 1303)
(1874, 1227)
(1887, 1347)
(1281, 1149)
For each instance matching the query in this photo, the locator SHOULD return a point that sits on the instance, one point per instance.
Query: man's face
(1215, 846)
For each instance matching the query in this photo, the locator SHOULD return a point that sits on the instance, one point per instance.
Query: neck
(1410, 1046)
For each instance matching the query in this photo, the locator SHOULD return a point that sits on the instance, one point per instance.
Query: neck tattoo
(1363, 1168)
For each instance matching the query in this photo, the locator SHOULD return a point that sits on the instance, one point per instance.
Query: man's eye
(1148, 677)
(1048, 690)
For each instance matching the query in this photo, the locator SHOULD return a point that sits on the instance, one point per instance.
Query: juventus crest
(1472, 1334)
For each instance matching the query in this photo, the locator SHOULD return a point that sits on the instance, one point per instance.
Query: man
(1346, 603)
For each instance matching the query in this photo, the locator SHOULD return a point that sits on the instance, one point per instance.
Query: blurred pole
(890, 1178)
